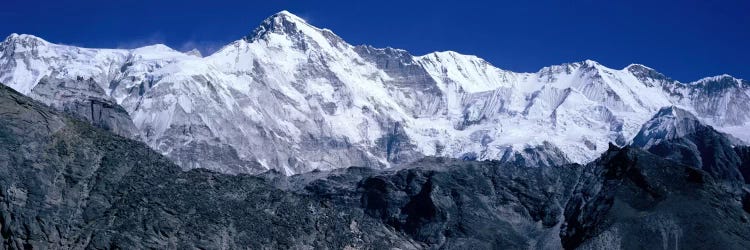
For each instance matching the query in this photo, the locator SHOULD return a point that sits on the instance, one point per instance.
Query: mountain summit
(678, 135)
(668, 124)
(294, 97)
(278, 23)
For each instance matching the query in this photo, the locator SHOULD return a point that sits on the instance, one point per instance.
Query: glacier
(296, 98)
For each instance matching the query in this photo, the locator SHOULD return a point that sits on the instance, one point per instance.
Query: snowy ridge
(26, 59)
(669, 123)
(294, 97)
(719, 78)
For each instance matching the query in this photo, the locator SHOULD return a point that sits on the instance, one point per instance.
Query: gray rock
(86, 100)
(647, 202)
(66, 184)
(677, 135)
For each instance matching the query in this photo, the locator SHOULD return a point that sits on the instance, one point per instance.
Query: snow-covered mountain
(294, 97)
(678, 135)
(669, 123)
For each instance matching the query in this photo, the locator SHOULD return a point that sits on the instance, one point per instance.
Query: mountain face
(86, 100)
(65, 184)
(668, 124)
(649, 202)
(677, 135)
(293, 97)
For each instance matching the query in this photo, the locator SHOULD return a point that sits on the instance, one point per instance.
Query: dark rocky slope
(632, 199)
(66, 184)
(677, 135)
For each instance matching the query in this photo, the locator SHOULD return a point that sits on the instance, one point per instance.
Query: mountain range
(291, 138)
(65, 184)
(296, 98)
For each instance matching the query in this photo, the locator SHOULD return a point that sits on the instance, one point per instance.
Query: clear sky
(686, 39)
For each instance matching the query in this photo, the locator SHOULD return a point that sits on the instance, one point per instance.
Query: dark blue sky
(686, 39)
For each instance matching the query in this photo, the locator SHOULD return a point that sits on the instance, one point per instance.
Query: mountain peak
(154, 49)
(589, 62)
(645, 73)
(286, 13)
(283, 22)
(669, 123)
(194, 52)
(453, 56)
(288, 16)
(723, 78)
(569, 67)
(637, 67)
(24, 39)
(588, 65)
(674, 112)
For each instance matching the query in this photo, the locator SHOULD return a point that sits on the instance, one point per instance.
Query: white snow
(276, 99)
